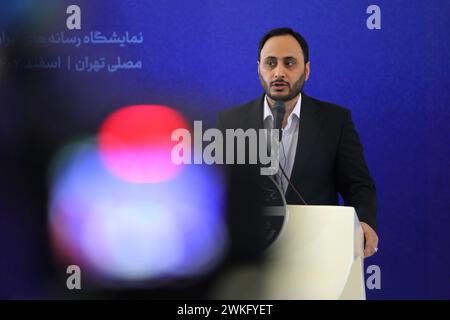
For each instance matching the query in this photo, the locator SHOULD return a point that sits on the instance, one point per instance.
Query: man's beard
(293, 91)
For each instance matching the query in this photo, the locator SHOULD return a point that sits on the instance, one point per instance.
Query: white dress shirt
(288, 146)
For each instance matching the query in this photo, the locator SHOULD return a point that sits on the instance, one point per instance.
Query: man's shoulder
(327, 106)
(241, 109)
(238, 116)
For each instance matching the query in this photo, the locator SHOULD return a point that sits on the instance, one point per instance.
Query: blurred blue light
(125, 231)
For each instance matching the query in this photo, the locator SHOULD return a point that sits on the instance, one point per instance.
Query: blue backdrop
(200, 58)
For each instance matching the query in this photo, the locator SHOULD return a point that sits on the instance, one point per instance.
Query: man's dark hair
(281, 32)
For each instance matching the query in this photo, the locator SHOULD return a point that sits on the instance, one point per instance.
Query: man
(320, 148)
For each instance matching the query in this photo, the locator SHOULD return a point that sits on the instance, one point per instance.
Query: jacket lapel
(309, 128)
(255, 114)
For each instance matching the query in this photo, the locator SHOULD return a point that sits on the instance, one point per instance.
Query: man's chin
(280, 97)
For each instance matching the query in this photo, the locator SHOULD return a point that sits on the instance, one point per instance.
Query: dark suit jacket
(329, 157)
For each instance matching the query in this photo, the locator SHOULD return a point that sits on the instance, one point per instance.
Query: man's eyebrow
(284, 58)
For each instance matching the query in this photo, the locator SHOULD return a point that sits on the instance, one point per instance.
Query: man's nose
(279, 71)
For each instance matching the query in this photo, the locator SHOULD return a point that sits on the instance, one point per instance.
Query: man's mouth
(279, 85)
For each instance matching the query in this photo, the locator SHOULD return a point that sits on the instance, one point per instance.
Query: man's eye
(270, 63)
(290, 63)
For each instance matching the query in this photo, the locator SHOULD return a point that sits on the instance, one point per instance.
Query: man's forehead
(281, 47)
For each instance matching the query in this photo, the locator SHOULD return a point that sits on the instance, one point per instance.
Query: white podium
(317, 255)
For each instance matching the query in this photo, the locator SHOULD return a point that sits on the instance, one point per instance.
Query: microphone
(278, 110)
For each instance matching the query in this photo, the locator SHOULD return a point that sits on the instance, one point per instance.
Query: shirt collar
(296, 111)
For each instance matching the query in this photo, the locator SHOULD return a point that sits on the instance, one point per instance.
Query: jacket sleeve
(354, 181)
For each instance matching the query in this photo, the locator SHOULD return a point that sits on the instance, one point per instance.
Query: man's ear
(257, 63)
(307, 70)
